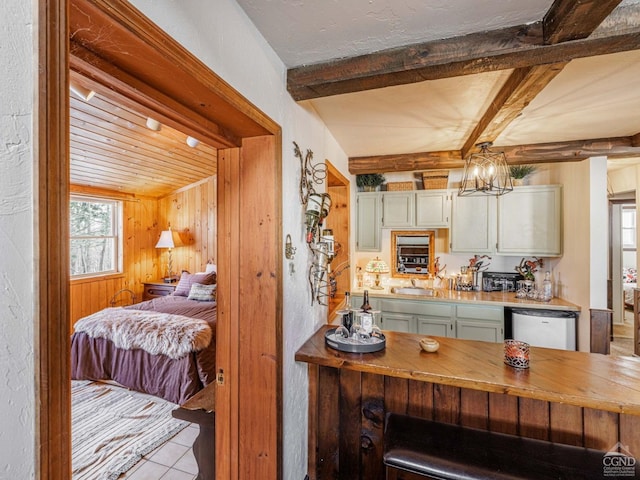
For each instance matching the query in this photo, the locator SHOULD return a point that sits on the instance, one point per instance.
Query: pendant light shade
(486, 173)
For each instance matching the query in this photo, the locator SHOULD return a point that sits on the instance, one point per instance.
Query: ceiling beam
(507, 48)
(564, 21)
(554, 152)
(571, 20)
(522, 86)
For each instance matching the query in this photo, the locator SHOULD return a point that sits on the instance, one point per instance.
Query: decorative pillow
(188, 279)
(629, 275)
(202, 293)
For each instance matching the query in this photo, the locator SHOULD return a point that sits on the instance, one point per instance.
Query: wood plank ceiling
(536, 53)
(112, 148)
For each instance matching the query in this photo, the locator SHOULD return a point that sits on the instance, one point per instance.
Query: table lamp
(169, 239)
(378, 267)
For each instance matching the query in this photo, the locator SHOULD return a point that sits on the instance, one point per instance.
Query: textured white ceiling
(303, 32)
(591, 98)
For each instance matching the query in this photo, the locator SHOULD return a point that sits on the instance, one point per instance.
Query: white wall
(583, 267)
(17, 269)
(222, 36)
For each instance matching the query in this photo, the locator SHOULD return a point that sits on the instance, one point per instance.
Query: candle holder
(516, 353)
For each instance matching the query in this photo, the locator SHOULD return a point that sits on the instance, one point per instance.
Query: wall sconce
(289, 249)
(486, 173)
(378, 267)
(192, 142)
(153, 124)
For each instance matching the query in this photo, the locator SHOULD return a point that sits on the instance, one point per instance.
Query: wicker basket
(435, 179)
(399, 186)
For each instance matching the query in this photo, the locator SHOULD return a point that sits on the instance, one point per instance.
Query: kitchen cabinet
(398, 209)
(475, 322)
(473, 224)
(444, 319)
(524, 222)
(433, 208)
(440, 327)
(529, 221)
(368, 226)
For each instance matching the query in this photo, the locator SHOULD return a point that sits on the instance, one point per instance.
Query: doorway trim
(52, 343)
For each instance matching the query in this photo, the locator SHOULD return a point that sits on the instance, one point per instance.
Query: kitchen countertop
(575, 378)
(506, 299)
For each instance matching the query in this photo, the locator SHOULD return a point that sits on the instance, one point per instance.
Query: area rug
(113, 428)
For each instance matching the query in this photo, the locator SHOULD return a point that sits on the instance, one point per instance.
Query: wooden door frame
(336, 181)
(262, 339)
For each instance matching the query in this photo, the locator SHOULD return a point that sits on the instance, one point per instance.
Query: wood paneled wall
(347, 411)
(190, 211)
(139, 256)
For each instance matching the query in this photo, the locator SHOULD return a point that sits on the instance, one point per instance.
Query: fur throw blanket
(157, 333)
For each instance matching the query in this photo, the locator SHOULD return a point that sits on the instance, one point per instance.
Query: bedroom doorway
(251, 162)
(623, 268)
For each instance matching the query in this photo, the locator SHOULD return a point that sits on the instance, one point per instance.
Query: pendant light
(486, 173)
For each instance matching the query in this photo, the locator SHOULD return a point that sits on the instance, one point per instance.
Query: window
(628, 227)
(95, 236)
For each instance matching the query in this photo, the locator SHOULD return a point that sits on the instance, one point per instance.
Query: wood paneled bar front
(575, 398)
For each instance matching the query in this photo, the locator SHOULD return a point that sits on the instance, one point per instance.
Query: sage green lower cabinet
(439, 327)
(428, 318)
(470, 322)
(479, 322)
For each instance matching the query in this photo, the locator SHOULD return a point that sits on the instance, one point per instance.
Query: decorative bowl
(429, 344)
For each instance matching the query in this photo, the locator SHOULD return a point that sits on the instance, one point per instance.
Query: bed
(629, 283)
(103, 347)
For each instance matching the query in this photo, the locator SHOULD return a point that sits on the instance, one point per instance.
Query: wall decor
(316, 209)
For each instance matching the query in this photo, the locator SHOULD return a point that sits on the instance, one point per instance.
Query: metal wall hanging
(320, 241)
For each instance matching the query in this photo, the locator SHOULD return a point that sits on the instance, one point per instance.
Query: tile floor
(172, 460)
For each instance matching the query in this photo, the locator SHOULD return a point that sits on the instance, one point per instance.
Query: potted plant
(368, 182)
(520, 172)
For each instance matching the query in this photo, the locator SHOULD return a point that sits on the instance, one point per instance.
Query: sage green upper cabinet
(529, 221)
(368, 226)
(398, 209)
(473, 224)
(433, 208)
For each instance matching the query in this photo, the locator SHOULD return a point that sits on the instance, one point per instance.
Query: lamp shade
(168, 239)
(376, 265)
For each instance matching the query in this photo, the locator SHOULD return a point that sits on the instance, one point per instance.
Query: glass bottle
(547, 287)
(347, 313)
(365, 307)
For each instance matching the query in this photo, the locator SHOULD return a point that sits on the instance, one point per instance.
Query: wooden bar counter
(575, 398)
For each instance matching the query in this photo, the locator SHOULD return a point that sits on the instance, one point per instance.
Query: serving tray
(352, 346)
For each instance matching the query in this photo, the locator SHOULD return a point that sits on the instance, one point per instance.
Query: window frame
(116, 235)
(632, 228)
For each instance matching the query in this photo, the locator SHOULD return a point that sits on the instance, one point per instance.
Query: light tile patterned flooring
(172, 460)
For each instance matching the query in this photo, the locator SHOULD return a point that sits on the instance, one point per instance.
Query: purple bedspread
(159, 375)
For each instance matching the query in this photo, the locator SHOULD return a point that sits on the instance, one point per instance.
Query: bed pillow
(629, 275)
(202, 293)
(187, 279)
